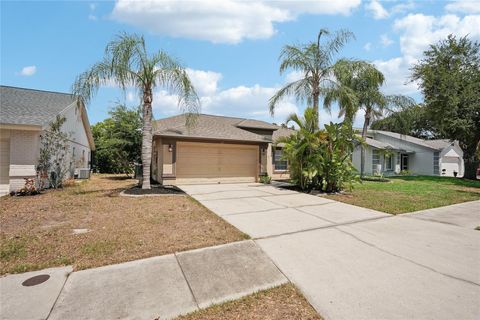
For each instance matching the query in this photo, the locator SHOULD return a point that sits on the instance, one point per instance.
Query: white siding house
(390, 153)
(24, 115)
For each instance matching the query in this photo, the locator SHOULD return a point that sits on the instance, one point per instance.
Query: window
(388, 162)
(436, 164)
(280, 163)
(375, 161)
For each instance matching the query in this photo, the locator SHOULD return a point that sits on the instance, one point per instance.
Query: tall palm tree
(314, 60)
(126, 63)
(356, 86)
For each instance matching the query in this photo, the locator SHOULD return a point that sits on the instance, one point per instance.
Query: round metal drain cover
(33, 281)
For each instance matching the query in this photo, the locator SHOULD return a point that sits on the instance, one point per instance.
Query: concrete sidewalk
(160, 287)
(356, 263)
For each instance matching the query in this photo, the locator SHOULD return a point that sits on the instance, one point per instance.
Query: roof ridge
(39, 90)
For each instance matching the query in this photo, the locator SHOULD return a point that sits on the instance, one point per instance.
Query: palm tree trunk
(316, 96)
(147, 137)
(366, 123)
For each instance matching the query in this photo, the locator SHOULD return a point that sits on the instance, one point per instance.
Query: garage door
(215, 162)
(450, 164)
(4, 165)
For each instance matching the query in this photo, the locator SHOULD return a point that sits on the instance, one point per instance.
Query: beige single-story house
(24, 115)
(389, 153)
(217, 149)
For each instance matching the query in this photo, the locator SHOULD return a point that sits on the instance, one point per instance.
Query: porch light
(170, 148)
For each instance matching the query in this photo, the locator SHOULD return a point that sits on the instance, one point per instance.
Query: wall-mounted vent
(83, 173)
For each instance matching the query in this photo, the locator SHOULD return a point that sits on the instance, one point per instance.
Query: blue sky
(230, 48)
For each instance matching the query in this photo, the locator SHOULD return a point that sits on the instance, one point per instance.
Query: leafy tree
(127, 63)
(410, 120)
(356, 86)
(319, 159)
(118, 140)
(315, 61)
(449, 77)
(54, 155)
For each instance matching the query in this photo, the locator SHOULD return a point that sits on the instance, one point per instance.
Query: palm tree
(314, 60)
(357, 87)
(126, 63)
(301, 148)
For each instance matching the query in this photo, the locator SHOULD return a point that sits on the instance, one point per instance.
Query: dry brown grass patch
(37, 231)
(281, 303)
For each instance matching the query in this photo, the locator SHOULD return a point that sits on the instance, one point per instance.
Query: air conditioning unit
(83, 173)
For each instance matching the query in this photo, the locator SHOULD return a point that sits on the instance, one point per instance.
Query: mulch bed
(156, 189)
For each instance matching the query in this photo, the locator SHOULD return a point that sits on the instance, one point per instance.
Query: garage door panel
(216, 161)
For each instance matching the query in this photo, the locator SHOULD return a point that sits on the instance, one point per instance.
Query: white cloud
(463, 6)
(131, 97)
(397, 75)
(293, 76)
(28, 71)
(240, 101)
(205, 82)
(367, 46)
(227, 21)
(92, 17)
(385, 40)
(377, 10)
(417, 33)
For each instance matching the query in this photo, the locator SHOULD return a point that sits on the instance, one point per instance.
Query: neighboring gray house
(389, 153)
(24, 115)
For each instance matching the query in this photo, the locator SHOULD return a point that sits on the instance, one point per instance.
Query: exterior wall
(80, 151)
(24, 150)
(356, 159)
(420, 162)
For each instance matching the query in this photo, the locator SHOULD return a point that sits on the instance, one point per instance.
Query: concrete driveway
(355, 263)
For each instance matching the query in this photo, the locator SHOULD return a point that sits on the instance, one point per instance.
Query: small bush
(266, 179)
(29, 189)
(405, 173)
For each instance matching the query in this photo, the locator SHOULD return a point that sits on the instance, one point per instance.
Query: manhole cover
(33, 281)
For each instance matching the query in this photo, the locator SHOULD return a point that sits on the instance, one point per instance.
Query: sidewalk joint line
(406, 259)
(322, 227)
(58, 296)
(186, 280)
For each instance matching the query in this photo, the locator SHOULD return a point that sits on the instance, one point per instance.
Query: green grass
(12, 248)
(408, 194)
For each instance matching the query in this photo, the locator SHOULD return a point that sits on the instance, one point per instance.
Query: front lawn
(89, 225)
(281, 303)
(407, 194)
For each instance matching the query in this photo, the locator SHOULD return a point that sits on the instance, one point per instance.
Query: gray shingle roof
(31, 107)
(439, 143)
(212, 127)
(281, 132)
(256, 124)
(420, 142)
(378, 144)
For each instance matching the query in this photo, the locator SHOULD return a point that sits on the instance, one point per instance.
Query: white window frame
(389, 162)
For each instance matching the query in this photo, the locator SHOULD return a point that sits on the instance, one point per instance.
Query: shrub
(320, 159)
(29, 189)
(405, 173)
(266, 179)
